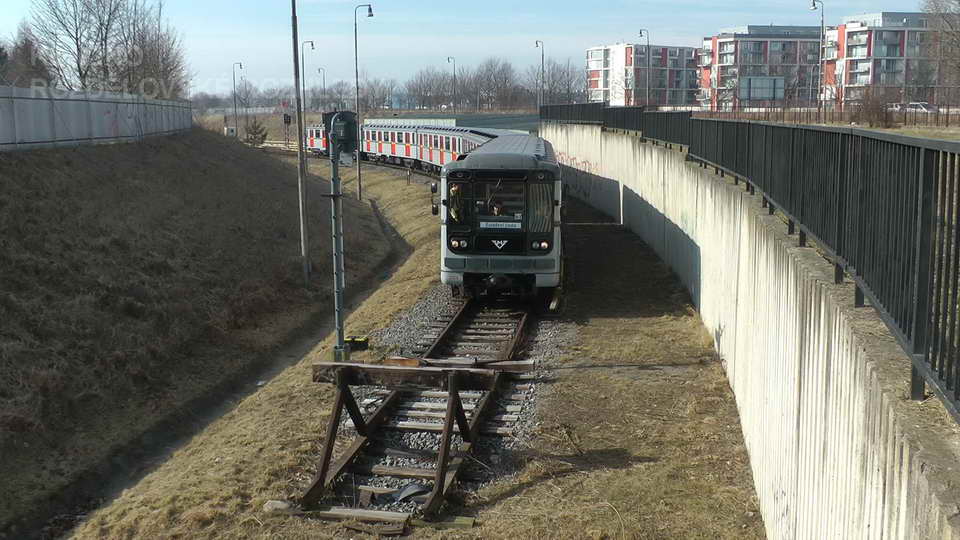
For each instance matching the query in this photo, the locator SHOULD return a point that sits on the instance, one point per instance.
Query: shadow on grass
(576, 463)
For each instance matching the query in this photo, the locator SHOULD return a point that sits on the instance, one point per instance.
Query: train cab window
(499, 204)
(457, 207)
(540, 209)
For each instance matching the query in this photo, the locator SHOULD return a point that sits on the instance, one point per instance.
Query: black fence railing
(884, 207)
(578, 113)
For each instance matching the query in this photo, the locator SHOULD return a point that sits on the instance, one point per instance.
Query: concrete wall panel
(836, 452)
(34, 118)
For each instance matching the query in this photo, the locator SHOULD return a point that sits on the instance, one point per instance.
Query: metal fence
(577, 113)
(885, 208)
(45, 117)
(941, 118)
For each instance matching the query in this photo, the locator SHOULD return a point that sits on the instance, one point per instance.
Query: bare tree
(66, 34)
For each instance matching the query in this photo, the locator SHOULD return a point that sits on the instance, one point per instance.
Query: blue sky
(405, 35)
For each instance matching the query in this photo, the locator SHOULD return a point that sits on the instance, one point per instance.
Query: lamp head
(312, 46)
(241, 64)
(369, 10)
(813, 5)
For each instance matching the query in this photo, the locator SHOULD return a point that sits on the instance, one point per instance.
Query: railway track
(419, 419)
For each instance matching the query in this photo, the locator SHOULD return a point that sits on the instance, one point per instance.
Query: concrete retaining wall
(836, 449)
(46, 117)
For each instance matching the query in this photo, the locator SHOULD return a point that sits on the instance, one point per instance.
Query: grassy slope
(132, 279)
(265, 448)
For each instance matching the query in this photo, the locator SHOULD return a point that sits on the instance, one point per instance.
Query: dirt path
(639, 435)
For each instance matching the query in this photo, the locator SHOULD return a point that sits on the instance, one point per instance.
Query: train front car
(500, 212)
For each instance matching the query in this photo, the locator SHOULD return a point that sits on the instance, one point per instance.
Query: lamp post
(454, 60)
(323, 93)
(813, 7)
(539, 44)
(303, 66)
(236, 126)
(356, 73)
(646, 33)
(301, 155)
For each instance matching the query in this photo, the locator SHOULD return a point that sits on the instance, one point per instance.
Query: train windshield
(500, 204)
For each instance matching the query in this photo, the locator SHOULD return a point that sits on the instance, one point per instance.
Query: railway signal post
(342, 129)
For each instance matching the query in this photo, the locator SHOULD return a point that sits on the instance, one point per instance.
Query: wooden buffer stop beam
(397, 379)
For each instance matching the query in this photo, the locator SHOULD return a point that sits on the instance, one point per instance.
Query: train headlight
(535, 245)
(458, 244)
(544, 245)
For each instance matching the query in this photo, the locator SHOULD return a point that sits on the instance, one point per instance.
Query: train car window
(457, 207)
(446, 143)
(436, 141)
(540, 208)
(499, 204)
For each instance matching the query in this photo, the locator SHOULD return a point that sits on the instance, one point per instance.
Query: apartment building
(894, 54)
(619, 74)
(759, 66)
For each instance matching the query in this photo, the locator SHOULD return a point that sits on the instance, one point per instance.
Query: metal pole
(336, 228)
(356, 73)
(236, 124)
(648, 66)
(449, 58)
(303, 88)
(539, 45)
(301, 169)
(323, 94)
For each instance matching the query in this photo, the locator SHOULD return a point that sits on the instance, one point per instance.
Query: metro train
(500, 202)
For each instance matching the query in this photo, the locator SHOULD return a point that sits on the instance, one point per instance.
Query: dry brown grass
(134, 278)
(639, 435)
(261, 450)
(273, 123)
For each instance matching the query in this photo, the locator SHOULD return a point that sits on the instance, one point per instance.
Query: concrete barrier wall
(46, 117)
(836, 450)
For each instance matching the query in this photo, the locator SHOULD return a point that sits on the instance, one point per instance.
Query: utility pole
(356, 73)
(813, 7)
(645, 32)
(236, 126)
(301, 169)
(449, 59)
(539, 44)
(323, 94)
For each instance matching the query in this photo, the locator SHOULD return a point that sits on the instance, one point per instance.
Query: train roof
(513, 151)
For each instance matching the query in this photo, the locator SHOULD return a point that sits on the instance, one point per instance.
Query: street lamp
(356, 73)
(646, 33)
(301, 153)
(323, 94)
(813, 7)
(539, 44)
(454, 60)
(236, 125)
(303, 66)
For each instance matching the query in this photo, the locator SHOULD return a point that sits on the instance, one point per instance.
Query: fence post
(921, 269)
(53, 117)
(13, 116)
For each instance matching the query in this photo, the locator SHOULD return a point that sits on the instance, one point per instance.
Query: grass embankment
(136, 278)
(263, 449)
(639, 437)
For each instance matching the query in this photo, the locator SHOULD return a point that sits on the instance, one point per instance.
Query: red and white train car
(428, 147)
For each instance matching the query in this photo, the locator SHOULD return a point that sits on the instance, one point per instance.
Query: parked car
(914, 107)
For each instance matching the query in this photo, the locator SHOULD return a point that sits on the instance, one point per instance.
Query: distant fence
(942, 117)
(46, 117)
(885, 208)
